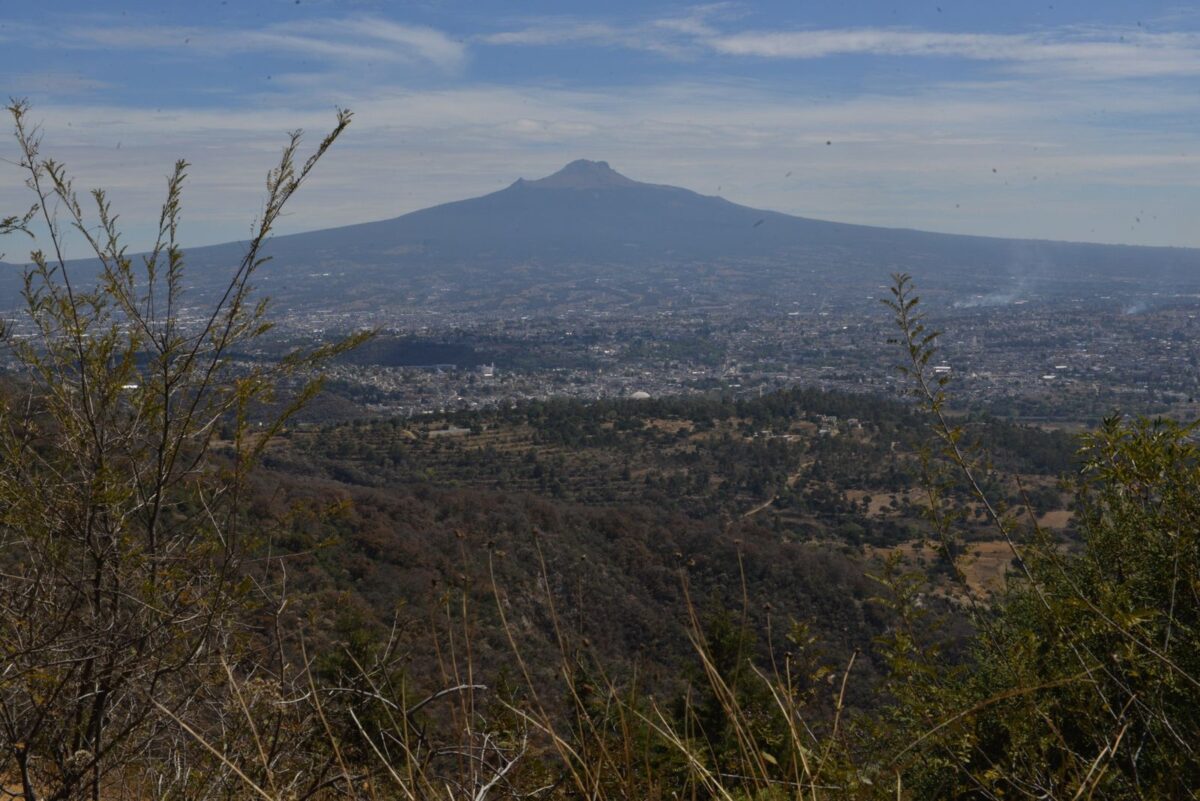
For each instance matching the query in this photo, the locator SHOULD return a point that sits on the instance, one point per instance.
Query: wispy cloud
(1096, 53)
(1080, 52)
(559, 32)
(347, 40)
(400, 41)
(676, 36)
(563, 32)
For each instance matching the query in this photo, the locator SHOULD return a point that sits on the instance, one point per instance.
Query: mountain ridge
(538, 242)
(579, 174)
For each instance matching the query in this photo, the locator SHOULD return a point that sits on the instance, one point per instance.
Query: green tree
(1083, 677)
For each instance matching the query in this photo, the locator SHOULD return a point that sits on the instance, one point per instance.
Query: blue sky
(1075, 120)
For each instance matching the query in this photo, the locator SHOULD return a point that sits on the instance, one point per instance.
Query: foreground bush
(1083, 679)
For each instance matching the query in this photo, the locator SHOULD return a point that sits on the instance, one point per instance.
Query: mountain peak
(581, 174)
(587, 167)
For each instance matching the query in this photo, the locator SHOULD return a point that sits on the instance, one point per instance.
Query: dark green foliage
(1083, 676)
(1083, 679)
(616, 573)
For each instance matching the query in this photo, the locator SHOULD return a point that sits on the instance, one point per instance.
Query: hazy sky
(1076, 120)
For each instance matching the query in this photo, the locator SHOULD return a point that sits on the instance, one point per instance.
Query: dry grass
(881, 500)
(984, 566)
(1057, 520)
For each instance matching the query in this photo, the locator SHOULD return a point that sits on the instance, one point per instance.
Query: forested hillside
(782, 503)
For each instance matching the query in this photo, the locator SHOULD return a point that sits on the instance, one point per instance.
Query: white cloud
(1079, 52)
(674, 36)
(426, 43)
(823, 43)
(560, 32)
(346, 40)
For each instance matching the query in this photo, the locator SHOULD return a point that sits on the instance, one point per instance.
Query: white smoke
(1027, 264)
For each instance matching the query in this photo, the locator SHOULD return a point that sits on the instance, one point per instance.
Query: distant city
(1061, 361)
(588, 284)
